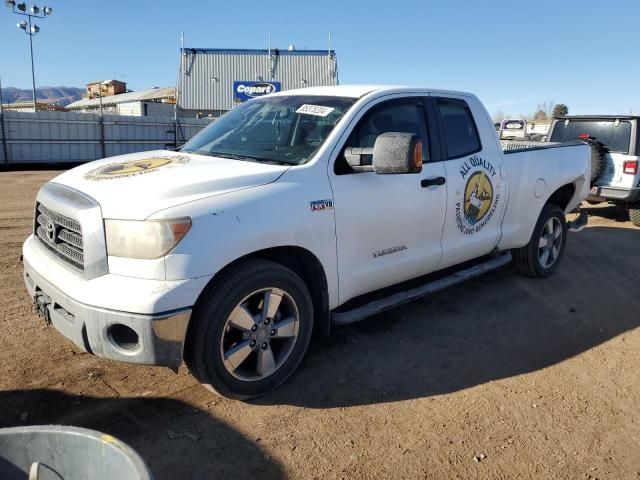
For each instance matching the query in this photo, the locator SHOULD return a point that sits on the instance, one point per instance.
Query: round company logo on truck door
(478, 195)
(480, 201)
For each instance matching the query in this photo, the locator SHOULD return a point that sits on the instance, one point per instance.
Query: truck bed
(535, 171)
(515, 147)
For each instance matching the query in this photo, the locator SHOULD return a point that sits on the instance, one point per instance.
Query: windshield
(280, 129)
(616, 138)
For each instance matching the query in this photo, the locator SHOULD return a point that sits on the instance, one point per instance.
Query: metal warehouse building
(213, 81)
(152, 102)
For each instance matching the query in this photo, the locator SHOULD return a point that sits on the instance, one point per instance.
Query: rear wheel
(634, 214)
(251, 330)
(541, 256)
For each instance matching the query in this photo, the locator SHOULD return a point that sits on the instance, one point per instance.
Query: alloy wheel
(550, 242)
(259, 334)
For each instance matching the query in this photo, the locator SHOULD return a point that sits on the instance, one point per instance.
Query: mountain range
(61, 96)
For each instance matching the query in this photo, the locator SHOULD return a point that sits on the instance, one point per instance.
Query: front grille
(60, 234)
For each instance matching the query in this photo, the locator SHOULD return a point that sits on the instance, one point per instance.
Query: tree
(560, 110)
(546, 108)
(499, 116)
(540, 116)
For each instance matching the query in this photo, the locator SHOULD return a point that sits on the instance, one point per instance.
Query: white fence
(65, 137)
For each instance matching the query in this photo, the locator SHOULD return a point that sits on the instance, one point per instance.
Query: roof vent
(292, 47)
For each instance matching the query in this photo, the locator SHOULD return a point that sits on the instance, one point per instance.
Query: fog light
(123, 337)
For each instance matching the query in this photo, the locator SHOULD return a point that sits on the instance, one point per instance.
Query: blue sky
(512, 54)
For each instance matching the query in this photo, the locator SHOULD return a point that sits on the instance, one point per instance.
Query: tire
(226, 352)
(531, 260)
(598, 159)
(634, 214)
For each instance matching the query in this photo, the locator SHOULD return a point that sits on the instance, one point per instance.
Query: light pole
(31, 30)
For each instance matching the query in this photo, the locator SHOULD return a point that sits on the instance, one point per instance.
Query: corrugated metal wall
(208, 75)
(64, 137)
(157, 109)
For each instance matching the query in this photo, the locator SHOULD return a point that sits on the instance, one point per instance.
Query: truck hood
(136, 185)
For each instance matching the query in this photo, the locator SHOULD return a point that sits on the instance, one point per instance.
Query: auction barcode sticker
(317, 110)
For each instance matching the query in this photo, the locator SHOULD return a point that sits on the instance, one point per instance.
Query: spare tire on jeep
(634, 213)
(598, 159)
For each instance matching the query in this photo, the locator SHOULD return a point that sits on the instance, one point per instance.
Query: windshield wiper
(237, 156)
(200, 152)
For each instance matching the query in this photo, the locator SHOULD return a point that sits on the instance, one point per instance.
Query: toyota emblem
(50, 230)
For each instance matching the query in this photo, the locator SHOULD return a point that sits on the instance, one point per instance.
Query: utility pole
(2, 130)
(103, 147)
(31, 30)
(176, 123)
(100, 98)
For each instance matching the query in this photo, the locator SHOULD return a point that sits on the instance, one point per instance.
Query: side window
(460, 133)
(393, 116)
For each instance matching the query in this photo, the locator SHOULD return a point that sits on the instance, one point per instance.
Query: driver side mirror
(397, 152)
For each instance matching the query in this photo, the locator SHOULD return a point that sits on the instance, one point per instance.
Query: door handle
(429, 182)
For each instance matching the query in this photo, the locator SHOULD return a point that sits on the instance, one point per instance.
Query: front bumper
(604, 194)
(159, 336)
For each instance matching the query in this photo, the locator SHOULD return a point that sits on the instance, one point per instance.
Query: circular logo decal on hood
(133, 167)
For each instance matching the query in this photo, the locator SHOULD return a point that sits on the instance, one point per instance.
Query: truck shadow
(497, 326)
(173, 438)
(611, 212)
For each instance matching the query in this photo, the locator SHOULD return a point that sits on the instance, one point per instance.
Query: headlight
(144, 239)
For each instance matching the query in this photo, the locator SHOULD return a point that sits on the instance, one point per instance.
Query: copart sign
(243, 91)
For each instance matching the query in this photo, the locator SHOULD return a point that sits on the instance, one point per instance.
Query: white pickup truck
(290, 212)
(513, 128)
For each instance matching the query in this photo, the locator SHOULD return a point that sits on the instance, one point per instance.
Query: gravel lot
(504, 377)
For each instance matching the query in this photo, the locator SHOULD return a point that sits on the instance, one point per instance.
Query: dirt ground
(504, 377)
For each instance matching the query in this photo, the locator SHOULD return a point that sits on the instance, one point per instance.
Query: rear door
(476, 184)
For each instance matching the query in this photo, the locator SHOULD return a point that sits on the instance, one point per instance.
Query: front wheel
(541, 256)
(250, 330)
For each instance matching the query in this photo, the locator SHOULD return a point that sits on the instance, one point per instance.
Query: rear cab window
(614, 134)
(513, 125)
(460, 133)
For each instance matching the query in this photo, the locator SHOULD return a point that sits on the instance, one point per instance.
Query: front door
(389, 226)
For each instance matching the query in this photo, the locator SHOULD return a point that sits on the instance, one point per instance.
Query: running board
(392, 301)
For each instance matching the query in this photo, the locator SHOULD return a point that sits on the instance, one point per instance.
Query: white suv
(616, 144)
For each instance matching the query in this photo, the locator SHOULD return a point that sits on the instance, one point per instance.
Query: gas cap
(540, 188)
